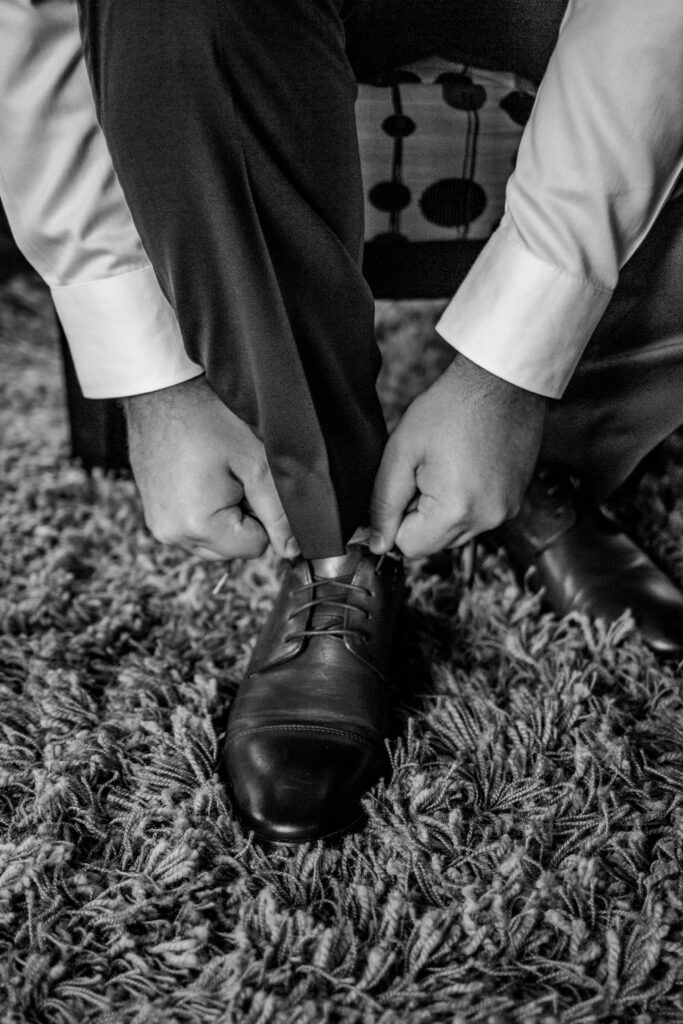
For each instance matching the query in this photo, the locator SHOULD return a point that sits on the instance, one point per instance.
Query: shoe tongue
(337, 566)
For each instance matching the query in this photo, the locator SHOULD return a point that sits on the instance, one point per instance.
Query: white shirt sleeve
(597, 161)
(68, 214)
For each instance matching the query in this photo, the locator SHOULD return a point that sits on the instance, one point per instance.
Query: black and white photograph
(341, 512)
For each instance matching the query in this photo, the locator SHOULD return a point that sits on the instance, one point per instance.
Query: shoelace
(332, 628)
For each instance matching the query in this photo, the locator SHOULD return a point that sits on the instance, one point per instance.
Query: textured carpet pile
(522, 864)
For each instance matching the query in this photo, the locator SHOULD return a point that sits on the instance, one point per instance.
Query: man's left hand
(457, 464)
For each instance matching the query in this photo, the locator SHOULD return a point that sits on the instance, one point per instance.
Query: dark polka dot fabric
(452, 202)
(438, 143)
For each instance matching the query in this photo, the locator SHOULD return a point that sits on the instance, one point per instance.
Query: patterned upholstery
(437, 144)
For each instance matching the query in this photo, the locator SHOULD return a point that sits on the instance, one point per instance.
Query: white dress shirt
(68, 214)
(598, 159)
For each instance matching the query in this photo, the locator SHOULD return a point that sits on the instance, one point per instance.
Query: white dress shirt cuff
(520, 317)
(123, 335)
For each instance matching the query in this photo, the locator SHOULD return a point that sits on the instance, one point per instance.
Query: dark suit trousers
(231, 127)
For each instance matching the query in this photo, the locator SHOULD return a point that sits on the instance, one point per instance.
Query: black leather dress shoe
(305, 737)
(584, 562)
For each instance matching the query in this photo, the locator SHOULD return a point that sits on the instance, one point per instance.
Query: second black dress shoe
(584, 562)
(305, 736)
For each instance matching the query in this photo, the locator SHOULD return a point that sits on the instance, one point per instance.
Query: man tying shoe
(235, 318)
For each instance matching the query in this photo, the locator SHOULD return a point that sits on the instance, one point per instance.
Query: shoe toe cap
(294, 784)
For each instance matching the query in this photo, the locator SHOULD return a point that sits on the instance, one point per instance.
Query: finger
(263, 499)
(204, 553)
(230, 533)
(394, 488)
(429, 529)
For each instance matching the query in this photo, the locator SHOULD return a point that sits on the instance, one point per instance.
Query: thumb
(264, 501)
(393, 490)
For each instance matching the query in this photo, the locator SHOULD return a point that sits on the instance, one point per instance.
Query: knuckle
(176, 524)
(164, 533)
(493, 516)
(258, 472)
(501, 510)
(194, 527)
(460, 513)
(513, 505)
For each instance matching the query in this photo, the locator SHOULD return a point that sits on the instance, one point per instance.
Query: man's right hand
(203, 476)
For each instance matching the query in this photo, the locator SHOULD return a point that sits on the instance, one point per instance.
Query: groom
(231, 129)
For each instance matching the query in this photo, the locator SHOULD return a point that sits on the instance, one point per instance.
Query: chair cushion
(438, 143)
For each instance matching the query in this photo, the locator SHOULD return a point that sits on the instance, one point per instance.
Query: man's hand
(203, 476)
(457, 464)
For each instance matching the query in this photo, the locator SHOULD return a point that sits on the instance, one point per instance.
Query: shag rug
(523, 863)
